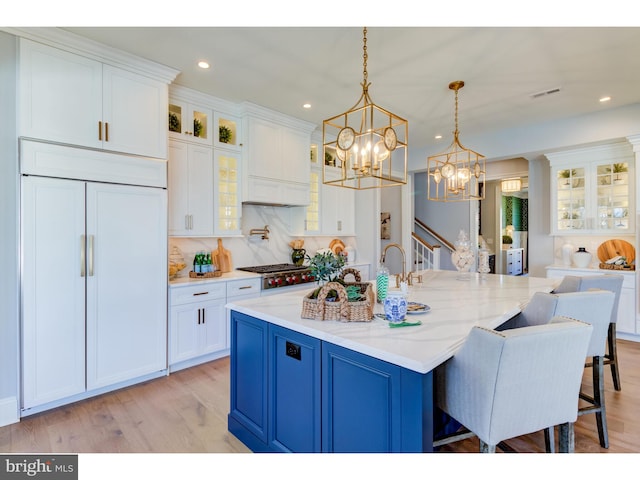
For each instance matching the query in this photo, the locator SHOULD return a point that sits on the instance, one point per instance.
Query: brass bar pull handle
(83, 255)
(100, 130)
(106, 131)
(91, 239)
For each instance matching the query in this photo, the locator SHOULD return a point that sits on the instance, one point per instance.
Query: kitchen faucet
(261, 231)
(403, 277)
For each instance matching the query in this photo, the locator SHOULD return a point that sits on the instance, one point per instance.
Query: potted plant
(197, 127)
(224, 134)
(617, 169)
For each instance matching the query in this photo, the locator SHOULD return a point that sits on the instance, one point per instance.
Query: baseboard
(9, 411)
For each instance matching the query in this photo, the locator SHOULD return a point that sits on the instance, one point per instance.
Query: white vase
(581, 258)
(567, 252)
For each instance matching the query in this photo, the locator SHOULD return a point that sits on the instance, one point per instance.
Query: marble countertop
(591, 269)
(457, 303)
(232, 275)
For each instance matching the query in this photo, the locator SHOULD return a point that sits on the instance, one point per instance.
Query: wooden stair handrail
(433, 233)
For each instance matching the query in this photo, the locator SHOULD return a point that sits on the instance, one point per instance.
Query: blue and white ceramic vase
(395, 306)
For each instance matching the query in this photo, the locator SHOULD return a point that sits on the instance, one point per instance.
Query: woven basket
(217, 273)
(610, 266)
(342, 309)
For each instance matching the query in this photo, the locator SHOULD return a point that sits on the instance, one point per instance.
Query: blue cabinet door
(369, 405)
(294, 391)
(248, 369)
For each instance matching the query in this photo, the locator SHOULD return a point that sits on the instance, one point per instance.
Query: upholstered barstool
(613, 283)
(593, 307)
(501, 385)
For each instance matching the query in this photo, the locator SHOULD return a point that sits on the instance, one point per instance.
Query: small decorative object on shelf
(463, 257)
(581, 258)
(567, 250)
(174, 122)
(176, 262)
(197, 128)
(224, 134)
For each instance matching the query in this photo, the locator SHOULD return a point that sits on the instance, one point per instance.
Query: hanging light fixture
(457, 174)
(366, 146)
(511, 185)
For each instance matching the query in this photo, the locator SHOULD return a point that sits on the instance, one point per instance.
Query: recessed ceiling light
(306, 105)
(203, 64)
(605, 99)
(438, 137)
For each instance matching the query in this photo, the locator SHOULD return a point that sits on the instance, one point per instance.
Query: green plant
(567, 173)
(507, 240)
(197, 127)
(325, 266)
(224, 134)
(174, 122)
(619, 167)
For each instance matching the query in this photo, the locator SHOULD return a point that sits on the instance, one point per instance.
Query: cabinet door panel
(184, 332)
(294, 378)
(249, 347)
(264, 150)
(60, 95)
(127, 289)
(355, 389)
(53, 299)
(201, 190)
(214, 323)
(135, 107)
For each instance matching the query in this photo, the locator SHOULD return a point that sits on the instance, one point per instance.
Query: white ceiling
(409, 69)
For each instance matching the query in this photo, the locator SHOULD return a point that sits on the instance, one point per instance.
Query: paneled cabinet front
(275, 387)
(71, 99)
(190, 180)
(93, 299)
(295, 393)
(197, 320)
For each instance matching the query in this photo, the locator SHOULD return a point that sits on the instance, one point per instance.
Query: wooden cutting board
(613, 248)
(222, 258)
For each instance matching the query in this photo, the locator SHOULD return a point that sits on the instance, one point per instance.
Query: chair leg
(486, 448)
(566, 438)
(549, 440)
(598, 397)
(612, 356)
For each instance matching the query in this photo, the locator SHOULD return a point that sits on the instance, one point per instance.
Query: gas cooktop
(276, 268)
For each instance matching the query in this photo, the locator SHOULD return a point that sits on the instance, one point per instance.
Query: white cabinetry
(93, 287)
(592, 190)
(227, 214)
(72, 99)
(276, 155)
(337, 207)
(197, 322)
(512, 261)
(627, 323)
(190, 122)
(190, 181)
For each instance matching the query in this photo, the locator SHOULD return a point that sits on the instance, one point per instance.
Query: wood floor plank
(186, 412)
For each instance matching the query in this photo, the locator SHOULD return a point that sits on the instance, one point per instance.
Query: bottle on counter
(382, 282)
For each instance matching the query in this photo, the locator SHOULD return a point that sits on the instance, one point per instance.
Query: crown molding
(58, 38)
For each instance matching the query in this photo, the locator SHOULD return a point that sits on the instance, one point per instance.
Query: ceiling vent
(545, 92)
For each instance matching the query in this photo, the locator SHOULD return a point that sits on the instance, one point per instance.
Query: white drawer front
(246, 287)
(197, 293)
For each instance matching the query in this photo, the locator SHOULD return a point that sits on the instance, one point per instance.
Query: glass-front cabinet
(227, 199)
(190, 122)
(592, 190)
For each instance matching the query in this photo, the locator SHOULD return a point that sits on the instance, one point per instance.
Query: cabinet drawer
(245, 287)
(197, 293)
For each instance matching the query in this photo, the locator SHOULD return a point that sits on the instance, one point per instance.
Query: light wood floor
(187, 412)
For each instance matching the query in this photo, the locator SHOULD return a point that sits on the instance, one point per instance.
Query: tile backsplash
(248, 250)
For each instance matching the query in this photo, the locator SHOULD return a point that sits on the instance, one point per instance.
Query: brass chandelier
(457, 174)
(366, 146)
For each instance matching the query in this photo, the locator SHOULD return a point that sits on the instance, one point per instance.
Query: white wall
(9, 319)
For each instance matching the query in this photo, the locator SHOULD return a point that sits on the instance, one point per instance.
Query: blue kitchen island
(300, 385)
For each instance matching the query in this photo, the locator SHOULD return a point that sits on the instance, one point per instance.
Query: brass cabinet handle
(100, 130)
(106, 131)
(91, 238)
(83, 255)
